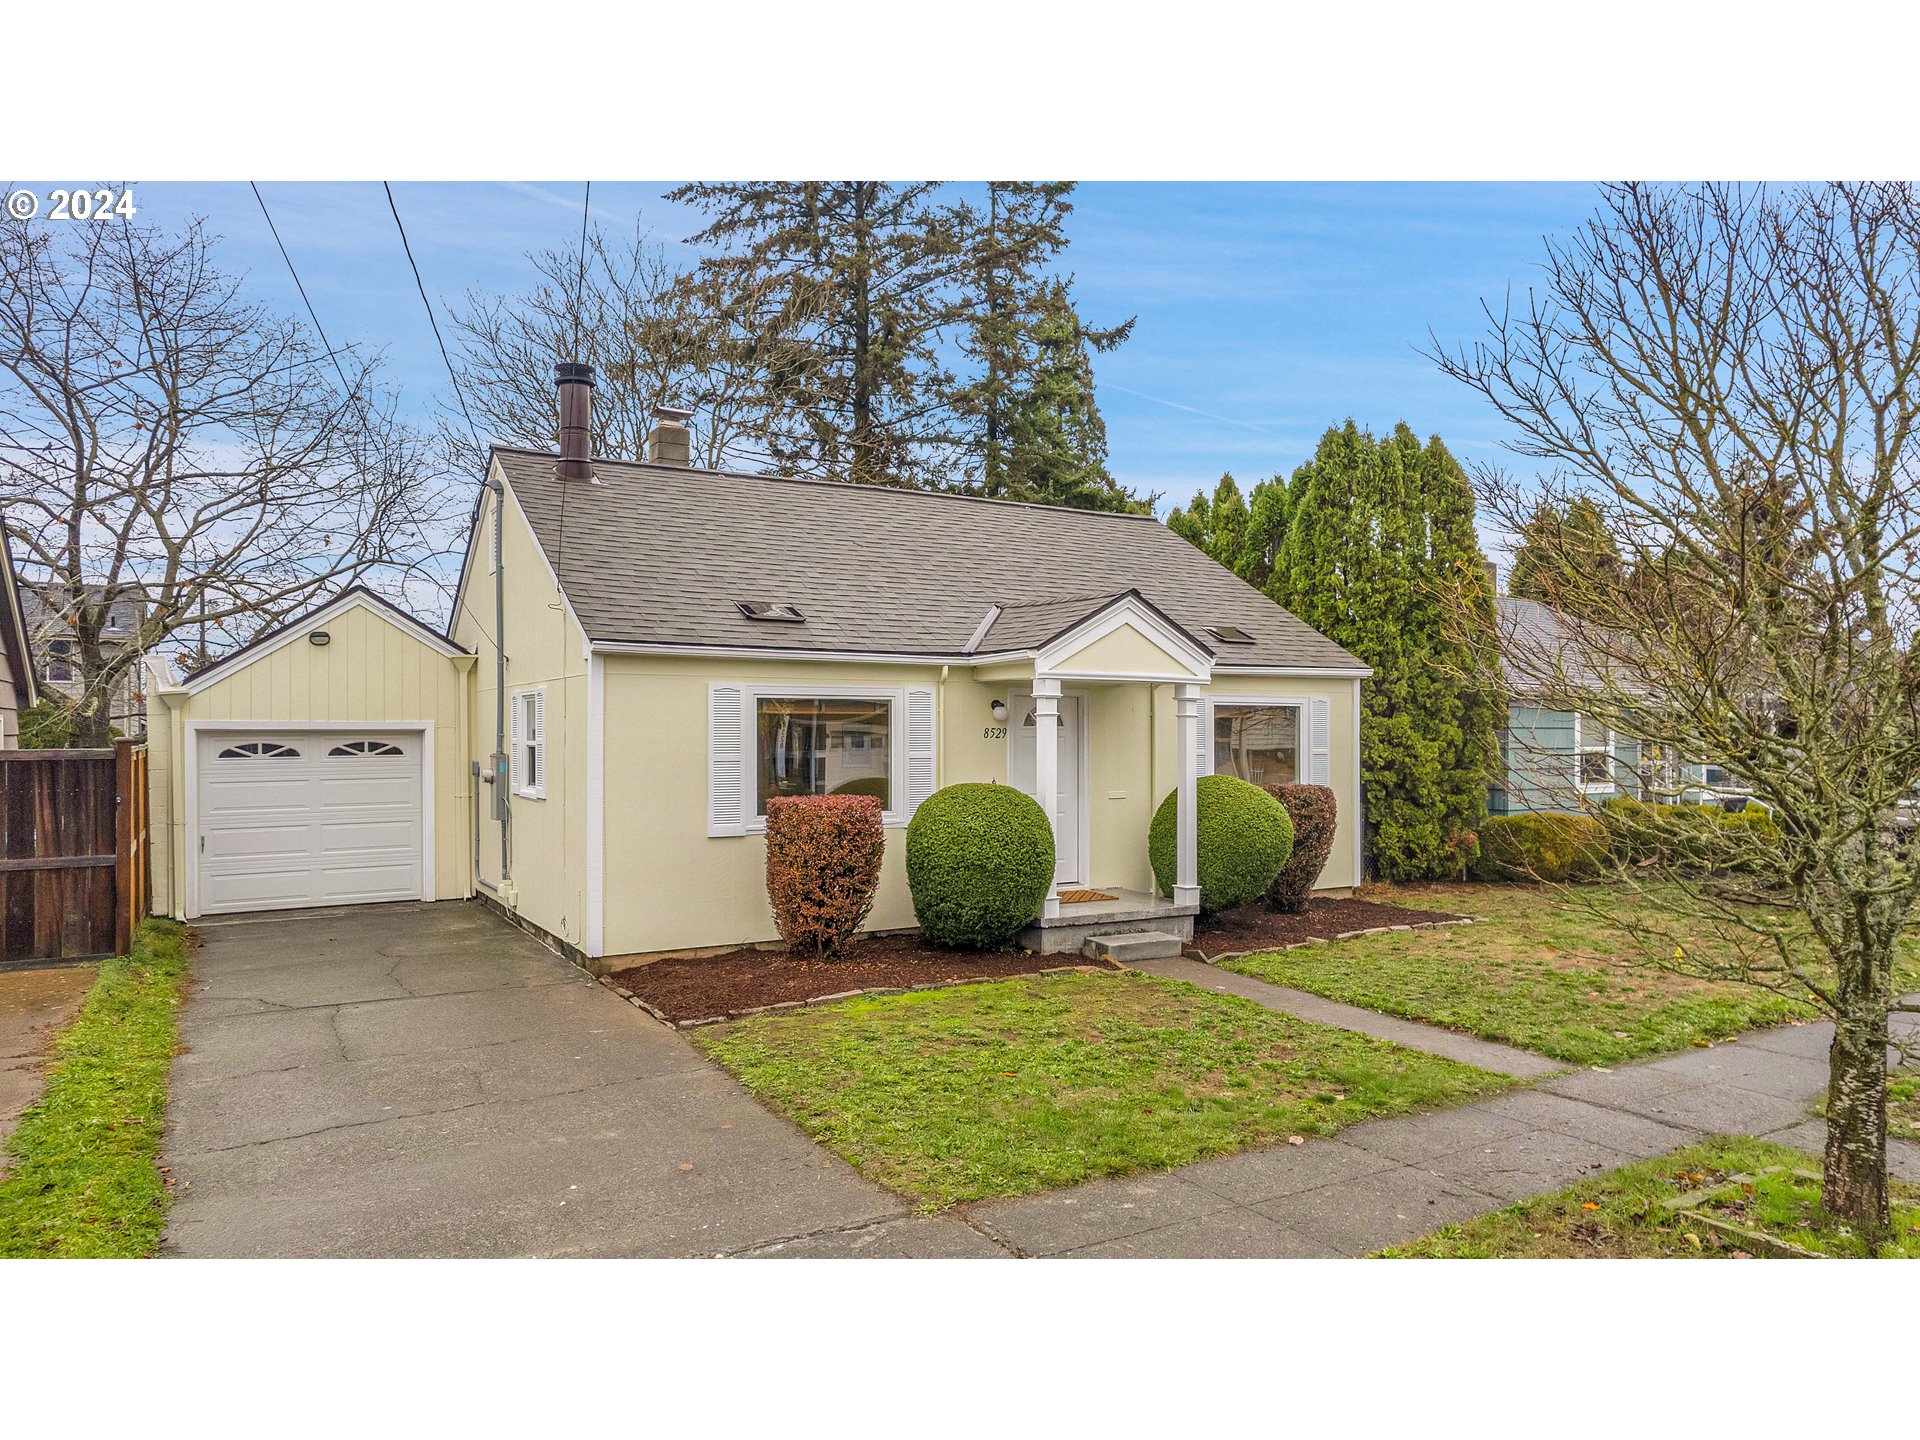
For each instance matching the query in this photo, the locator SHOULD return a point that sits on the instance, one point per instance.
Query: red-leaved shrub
(1314, 811)
(823, 867)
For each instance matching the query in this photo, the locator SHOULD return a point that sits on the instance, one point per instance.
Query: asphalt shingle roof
(661, 555)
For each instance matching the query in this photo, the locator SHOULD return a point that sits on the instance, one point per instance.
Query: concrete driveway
(427, 1080)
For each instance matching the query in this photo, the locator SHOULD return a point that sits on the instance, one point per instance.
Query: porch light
(999, 709)
(318, 637)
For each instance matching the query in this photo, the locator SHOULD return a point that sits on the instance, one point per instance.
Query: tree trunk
(1855, 1183)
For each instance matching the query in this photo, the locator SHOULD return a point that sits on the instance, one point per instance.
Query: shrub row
(1540, 847)
(1691, 836)
(980, 858)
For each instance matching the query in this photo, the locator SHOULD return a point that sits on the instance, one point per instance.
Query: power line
(452, 374)
(319, 330)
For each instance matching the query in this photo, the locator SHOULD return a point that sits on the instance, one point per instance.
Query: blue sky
(1266, 312)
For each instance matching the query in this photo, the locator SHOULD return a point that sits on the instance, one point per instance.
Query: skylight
(763, 610)
(1229, 634)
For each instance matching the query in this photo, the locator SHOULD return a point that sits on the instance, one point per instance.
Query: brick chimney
(670, 444)
(575, 384)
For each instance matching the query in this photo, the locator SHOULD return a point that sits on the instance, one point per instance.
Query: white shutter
(540, 744)
(1203, 738)
(1320, 764)
(920, 767)
(516, 782)
(726, 769)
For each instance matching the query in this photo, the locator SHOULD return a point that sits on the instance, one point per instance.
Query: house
(642, 653)
(1558, 760)
(18, 688)
(48, 610)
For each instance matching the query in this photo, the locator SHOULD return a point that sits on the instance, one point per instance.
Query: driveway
(427, 1080)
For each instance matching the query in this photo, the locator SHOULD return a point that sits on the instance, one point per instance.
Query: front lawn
(1542, 973)
(1012, 1086)
(1627, 1213)
(84, 1179)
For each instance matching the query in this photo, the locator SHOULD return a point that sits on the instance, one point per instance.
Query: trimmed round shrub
(1541, 847)
(979, 864)
(1314, 812)
(823, 868)
(1244, 839)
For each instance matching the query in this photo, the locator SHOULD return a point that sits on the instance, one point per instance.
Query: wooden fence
(75, 876)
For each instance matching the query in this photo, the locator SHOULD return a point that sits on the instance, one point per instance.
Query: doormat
(1084, 897)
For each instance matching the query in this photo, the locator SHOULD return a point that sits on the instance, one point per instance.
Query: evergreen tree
(1374, 529)
(1054, 446)
(1025, 414)
(1563, 542)
(1216, 527)
(1268, 514)
(842, 290)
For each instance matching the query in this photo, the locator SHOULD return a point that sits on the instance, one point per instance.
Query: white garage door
(307, 818)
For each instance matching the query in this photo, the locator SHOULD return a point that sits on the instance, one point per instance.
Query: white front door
(295, 818)
(1069, 853)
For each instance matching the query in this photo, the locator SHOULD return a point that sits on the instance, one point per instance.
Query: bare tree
(651, 333)
(164, 440)
(1731, 377)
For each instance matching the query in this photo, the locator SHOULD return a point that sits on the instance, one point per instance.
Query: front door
(1069, 854)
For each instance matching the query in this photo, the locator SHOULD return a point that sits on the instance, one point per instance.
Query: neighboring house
(681, 644)
(18, 689)
(47, 607)
(1558, 760)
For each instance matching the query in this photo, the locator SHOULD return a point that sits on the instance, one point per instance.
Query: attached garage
(321, 765)
(286, 818)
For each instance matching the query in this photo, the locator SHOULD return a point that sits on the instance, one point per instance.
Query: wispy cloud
(1189, 409)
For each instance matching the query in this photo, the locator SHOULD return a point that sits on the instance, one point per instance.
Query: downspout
(499, 778)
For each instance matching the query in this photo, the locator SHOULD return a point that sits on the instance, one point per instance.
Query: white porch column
(1046, 772)
(1186, 862)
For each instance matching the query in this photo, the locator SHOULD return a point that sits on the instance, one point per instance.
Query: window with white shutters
(527, 749)
(768, 740)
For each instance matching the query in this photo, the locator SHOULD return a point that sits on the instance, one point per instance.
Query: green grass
(1621, 1214)
(84, 1179)
(1014, 1086)
(1543, 973)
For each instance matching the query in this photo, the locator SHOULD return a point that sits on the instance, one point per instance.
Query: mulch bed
(717, 986)
(1253, 928)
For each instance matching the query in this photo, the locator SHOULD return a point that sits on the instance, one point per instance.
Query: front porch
(1092, 736)
(1070, 924)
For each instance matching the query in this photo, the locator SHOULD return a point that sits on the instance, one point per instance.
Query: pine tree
(1055, 450)
(1025, 414)
(842, 290)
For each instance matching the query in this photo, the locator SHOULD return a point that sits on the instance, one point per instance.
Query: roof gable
(305, 623)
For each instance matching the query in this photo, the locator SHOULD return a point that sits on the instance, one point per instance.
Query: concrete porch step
(1128, 946)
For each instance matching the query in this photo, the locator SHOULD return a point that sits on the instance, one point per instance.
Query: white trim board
(191, 731)
(934, 658)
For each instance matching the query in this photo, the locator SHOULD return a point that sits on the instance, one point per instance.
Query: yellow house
(641, 654)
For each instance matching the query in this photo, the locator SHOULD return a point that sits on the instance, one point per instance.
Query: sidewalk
(1387, 1181)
